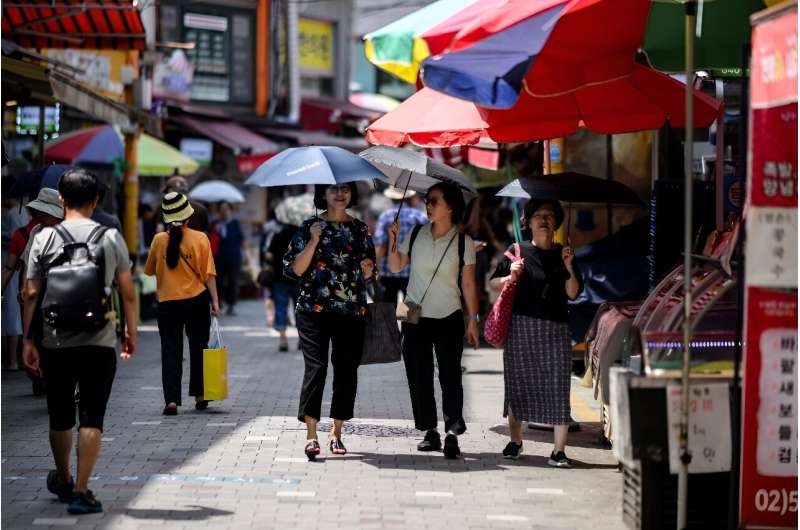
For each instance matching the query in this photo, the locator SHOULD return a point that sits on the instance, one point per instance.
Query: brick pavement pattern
(240, 464)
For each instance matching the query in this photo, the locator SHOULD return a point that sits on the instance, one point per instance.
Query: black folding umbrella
(571, 187)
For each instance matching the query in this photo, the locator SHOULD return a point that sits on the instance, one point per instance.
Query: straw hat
(175, 208)
(47, 202)
(396, 194)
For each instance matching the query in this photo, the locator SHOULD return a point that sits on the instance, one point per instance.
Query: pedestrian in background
(331, 255)
(45, 210)
(538, 356)
(409, 217)
(435, 256)
(229, 260)
(181, 261)
(68, 357)
(283, 288)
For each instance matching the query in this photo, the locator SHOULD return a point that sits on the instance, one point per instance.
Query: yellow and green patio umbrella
(400, 47)
(104, 145)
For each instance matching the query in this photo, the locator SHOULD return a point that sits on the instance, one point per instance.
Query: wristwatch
(476, 318)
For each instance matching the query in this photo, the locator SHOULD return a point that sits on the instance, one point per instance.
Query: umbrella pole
(684, 454)
(517, 224)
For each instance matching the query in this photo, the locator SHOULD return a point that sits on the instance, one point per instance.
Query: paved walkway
(240, 464)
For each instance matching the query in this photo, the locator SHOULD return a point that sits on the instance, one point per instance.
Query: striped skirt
(537, 362)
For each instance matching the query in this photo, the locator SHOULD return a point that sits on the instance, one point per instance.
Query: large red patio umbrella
(546, 47)
(644, 100)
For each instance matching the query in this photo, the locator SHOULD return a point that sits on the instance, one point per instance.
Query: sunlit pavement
(240, 464)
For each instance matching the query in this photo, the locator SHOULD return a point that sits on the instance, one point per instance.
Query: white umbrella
(216, 191)
(413, 170)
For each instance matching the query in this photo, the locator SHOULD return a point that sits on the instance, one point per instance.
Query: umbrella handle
(402, 201)
(569, 220)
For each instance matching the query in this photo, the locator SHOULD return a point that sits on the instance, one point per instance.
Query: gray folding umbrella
(407, 169)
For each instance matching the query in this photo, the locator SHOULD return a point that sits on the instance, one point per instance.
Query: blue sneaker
(84, 502)
(62, 491)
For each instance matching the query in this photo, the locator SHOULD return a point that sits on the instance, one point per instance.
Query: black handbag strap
(437, 266)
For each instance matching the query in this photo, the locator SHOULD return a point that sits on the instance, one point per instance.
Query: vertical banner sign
(768, 492)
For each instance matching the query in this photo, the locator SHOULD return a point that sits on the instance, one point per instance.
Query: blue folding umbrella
(313, 165)
(28, 185)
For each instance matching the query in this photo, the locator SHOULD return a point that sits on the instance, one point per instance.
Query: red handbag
(499, 320)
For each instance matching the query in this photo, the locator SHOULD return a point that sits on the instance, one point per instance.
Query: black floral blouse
(334, 281)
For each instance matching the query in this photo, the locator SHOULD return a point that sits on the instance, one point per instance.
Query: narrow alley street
(241, 465)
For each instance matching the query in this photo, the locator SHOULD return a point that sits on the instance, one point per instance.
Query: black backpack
(75, 295)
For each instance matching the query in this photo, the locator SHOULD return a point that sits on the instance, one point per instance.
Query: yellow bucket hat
(175, 208)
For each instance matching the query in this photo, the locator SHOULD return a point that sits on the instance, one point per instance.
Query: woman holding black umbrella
(537, 356)
(331, 256)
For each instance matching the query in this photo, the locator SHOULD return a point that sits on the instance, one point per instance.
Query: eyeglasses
(433, 201)
(339, 188)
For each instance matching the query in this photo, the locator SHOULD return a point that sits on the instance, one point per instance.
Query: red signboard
(773, 77)
(774, 156)
(768, 488)
(246, 164)
(769, 447)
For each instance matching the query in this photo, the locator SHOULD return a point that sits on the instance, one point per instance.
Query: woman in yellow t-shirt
(181, 261)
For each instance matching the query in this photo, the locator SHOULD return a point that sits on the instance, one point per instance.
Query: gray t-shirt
(45, 244)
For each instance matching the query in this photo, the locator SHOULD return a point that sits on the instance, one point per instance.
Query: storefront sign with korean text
(769, 459)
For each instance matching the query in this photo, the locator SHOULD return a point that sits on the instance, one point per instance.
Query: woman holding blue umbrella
(331, 256)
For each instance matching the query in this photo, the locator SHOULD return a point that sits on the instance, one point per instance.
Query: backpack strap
(64, 233)
(414, 234)
(96, 234)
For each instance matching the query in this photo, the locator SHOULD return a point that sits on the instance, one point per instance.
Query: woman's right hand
(516, 269)
(394, 233)
(316, 233)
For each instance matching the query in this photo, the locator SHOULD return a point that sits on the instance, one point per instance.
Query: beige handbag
(410, 312)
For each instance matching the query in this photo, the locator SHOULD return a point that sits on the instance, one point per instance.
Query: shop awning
(30, 82)
(305, 138)
(238, 139)
(328, 114)
(99, 24)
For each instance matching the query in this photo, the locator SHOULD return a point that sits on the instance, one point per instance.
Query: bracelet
(476, 318)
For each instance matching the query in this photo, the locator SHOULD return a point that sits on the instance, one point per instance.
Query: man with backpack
(69, 330)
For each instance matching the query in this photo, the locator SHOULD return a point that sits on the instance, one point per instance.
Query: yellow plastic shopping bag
(215, 366)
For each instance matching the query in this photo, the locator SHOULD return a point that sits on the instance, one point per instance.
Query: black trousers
(346, 334)
(446, 337)
(392, 286)
(92, 369)
(194, 316)
(228, 278)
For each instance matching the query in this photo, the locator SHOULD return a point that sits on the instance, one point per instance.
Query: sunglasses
(433, 201)
(340, 188)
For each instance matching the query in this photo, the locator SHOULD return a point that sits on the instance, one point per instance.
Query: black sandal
(312, 450)
(201, 405)
(337, 447)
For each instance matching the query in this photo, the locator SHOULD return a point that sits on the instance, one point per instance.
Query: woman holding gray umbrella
(537, 356)
(331, 256)
(437, 265)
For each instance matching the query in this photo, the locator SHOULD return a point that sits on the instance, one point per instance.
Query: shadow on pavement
(197, 513)
(588, 437)
(469, 462)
